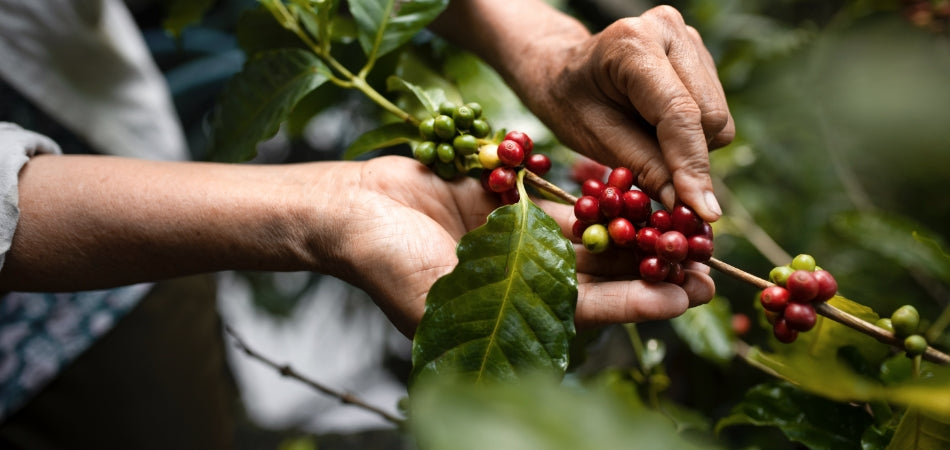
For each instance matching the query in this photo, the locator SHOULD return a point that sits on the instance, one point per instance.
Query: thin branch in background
(751, 231)
(287, 371)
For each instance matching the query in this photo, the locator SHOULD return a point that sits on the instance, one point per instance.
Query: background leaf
(384, 25)
(707, 329)
(508, 306)
(429, 99)
(384, 136)
(918, 431)
(258, 99)
(181, 13)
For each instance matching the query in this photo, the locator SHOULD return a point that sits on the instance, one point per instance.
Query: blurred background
(842, 151)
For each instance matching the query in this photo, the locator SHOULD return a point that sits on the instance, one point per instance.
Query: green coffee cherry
(480, 128)
(476, 109)
(427, 129)
(915, 344)
(446, 171)
(596, 238)
(444, 127)
(425, 152)
(779, 275)
(447, 108)
(465, 144)
(463, 116)
(905, 320)
(885, 323)
(803, 262)
(445, 152)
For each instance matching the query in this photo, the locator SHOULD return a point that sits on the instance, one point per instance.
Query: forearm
(89, 222)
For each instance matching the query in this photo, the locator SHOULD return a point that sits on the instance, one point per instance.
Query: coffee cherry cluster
(789, 303)
(613, 213)
(451, 137)
(904, 323)
(501, 162)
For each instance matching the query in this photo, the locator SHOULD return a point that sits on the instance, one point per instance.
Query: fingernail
(712, 203)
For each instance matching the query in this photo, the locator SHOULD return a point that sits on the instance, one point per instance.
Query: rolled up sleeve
(17, 146)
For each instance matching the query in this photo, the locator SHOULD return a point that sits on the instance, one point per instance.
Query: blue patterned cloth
(42, 333)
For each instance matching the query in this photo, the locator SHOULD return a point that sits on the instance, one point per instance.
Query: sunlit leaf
(508, 306)
(382, 137)
(919, 431)
(384, 25)
(258, 99)
(707, 330)
(429, 99)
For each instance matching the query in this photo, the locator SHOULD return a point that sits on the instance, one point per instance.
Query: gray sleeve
(17, 146)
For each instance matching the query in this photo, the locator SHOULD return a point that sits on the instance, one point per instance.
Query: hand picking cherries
(789, 303)
(615, 214)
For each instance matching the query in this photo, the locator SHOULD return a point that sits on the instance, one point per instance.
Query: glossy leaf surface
(508, 306)
(384, 25)
(707, 329)
(384, 136)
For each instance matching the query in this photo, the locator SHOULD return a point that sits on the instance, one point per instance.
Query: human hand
(403, 226)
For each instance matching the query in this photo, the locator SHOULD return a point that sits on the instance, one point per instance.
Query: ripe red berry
(685, 220)
(587, 209)
(672, 246)
(620, 178)
(706, 230)
(802, 286)
(661, 220)
(677, 274)
(774, 298)
(800, 316)
(523, 140)
(646, 239)
(741, 324)
(538, 163)
(510, 197)
(700, 248)
(827, 285)
(592, 187)
(622, 232)
(636, 206)
(578, 228)
(783, 332)
(611, 203)
(654, 269)
(502, 179)
(484, 179)
(510, 153)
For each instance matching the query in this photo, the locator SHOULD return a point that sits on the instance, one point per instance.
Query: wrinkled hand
(643, 93)
(403, 224)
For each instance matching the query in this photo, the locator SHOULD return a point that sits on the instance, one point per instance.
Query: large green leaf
(384, 136)
(707, 330)
(919, 431)
(814, 421)
(429, 99)
(508, 306)
(258, 31)
(181, 13)
(384, 25)
(258, 99)
(538, 414)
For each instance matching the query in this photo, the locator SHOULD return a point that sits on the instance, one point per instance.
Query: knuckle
(681, 110)
(666, 14)
(714, 121)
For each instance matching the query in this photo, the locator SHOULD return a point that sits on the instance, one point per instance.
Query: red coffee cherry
(502, 179)
(636, 206)
(538, 163)
(523, 140)
(685, 220)
(578, 228)
(677, 274)
(800, 316)
(611, 203)
(592, 187)
(646, 239)
(622, 232)
(700, 248)
(741, 324)
(510, 153)
(827, 285)
(510, 197)
(783, 332)
(802, 286)
(587, 209)
(706, 230)
(661, 220)
(774, 298)
(620, 178)
(654, 269)
(672, 246)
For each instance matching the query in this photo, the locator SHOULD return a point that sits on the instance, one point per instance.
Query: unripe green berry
(885, 323)
(445, 152)
(480, 128)
(465, 144)
(444, 127)
(427, 129)
(464, 117)
(476, 108)
(447, 108)
(446, 171)
(425, 152)
(779, 275)
(803, 262)
(596, 238)
(905, 320)
(915, 344)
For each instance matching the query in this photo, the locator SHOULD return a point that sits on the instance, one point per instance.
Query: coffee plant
(497, 348)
